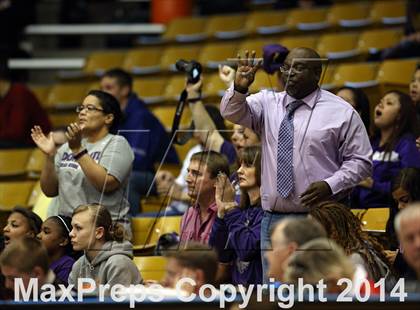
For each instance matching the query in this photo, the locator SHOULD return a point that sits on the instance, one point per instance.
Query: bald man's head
(304, 72)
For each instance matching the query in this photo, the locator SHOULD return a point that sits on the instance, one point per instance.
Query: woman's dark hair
(102, 218)
(409, 180)
(362, 104)
(110, 105)
(251, 157)
(407, 121)
(33, 219)
(64, 222)
(345, 228)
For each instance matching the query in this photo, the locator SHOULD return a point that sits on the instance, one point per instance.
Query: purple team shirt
(330, 141)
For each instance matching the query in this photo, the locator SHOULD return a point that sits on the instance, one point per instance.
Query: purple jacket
(385, 168)
(62, 268)
(236, 238)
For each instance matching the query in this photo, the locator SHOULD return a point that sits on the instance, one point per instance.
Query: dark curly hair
(345, 228)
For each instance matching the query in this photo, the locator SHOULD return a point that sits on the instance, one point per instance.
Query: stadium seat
(187, 29)
(213, 86)
(150, 89)
(99, 62)
(173, 53)
(174, 87)
(62, 120)
(151, 267)
(41, 93)
(13, 162)
(338, 46)
(357, 75)
(372, 41)
(35, 194)
(151, 229)
(14, 193)
(226, 27)
(374, 219)
(396, 74)
(35, 163)
(308, 19)
(266, 22)
(41, 206)
(262, 81)
(143, 61)
(94, 85)
(67, 95)
(166, 114)
(299, 41)
(389, 12)
(327, 76)
(214, 54)
(254, 45)
(349, 15)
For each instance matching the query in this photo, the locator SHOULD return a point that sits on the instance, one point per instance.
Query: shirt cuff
(334, 184)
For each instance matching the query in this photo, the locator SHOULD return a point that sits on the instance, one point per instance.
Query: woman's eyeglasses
(89, 108)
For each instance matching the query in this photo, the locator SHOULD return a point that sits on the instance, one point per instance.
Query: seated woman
(55, 237)
(94, 165)
(394, 148)
(359, 101)
(107, 257)
(406, 190)
(21, 223)
(345, 228)
(236, 230)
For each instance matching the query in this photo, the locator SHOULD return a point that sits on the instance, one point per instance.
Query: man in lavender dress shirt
(331, 149)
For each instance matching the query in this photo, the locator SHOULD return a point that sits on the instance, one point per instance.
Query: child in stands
(21, 223)
(55, 237)
(394, 148)
(107, 257)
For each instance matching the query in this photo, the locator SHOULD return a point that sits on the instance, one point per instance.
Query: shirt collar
(309, 100)
(212, 207)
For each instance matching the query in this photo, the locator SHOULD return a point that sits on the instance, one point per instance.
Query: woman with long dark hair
(94, 165)
(236, 232)
(394, 148)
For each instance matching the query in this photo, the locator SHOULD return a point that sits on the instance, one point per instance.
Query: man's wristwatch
(80, 154)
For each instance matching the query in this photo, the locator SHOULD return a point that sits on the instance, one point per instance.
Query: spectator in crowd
(55, 237)
(345, 228)
(197, 222)
(320, 259)
(21, 223)
(288, 236)
(19, 112)
(143, 131)
(195, 261)
(94, 165)
(324, 153)
(415, 89)
(237, 229)
(394, 149)
(26, 259)
(406, 187)
(407, 226)
(415, 96)
(359, 101)
(108, 257)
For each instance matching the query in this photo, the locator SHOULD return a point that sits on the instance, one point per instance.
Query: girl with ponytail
(107, 255)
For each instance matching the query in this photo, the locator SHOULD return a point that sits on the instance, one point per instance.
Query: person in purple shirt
(236, 231)
(143, 131)
(314, 144)
(394, 148)
(55, 237)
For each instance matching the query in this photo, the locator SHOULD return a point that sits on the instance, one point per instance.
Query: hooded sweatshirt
(113, 265)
